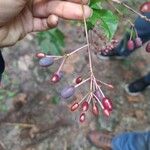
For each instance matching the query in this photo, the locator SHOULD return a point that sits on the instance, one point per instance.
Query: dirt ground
(30, 119)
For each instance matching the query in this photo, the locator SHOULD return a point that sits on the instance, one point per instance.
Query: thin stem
(128, 7)
(62, 64)
(106, 84)
(75, 51)
(83, 99)
(82, 82)
(54, 56)
(99, 101)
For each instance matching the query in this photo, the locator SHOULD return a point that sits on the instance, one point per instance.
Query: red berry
(74, 106)
(82, 117)
(130, 45)
(138, 42)
(95, 110)
(107, 103)
(40, 55)
(85, 106)
(55, 78)
(145, 7)
(78, 80)
(106, 112)
(148, 47)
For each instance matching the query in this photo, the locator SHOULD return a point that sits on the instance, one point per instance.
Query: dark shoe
(110, 54)
(100, 139)
(136, 87)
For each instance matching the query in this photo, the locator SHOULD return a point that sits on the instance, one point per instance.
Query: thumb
(10, 8)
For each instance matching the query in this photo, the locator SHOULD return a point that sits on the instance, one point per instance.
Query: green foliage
(51, 41)
(55, 100)
(108, 20)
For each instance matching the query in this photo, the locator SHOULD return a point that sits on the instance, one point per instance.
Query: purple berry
(148, 47)
(46, 61)
(98, 94)
(130, 45)
(138, 42)
(68, 92)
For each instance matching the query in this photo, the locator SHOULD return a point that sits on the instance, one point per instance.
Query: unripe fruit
(107, 103)
(130, 45)
(46, 61)
(78, 80)
(85, 106)
(138, 42)
(148, 47)
(82, 117)
(74, 106)
(95, 110)
(40, 55)
(68, 92)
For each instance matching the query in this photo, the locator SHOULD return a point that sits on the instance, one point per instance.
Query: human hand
(20, 17)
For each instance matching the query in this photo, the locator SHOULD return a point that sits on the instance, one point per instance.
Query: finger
(63, 9)
(79, 1)
(45, 23)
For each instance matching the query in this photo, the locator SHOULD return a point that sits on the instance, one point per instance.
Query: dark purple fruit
(138, 42)
(148, 47)
(67, 92)
(130, 45)
(46, 61)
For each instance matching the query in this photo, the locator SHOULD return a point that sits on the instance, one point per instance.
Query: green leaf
(108, 21)
(55, 100)
(51, 41)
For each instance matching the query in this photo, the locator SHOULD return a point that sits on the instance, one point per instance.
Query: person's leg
(124, 141)
(138, 85)
(2, 66)
(132, 141)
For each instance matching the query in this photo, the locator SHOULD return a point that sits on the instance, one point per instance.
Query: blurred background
(32, 115)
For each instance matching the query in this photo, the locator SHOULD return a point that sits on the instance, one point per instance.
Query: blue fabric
(147, 78)
(143, 30)
(132, 141)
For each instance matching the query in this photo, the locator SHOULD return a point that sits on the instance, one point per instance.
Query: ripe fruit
(82, 117)
(74, 106)
(46, 61)
(68, 92)
(145, 7)
(78, 80)
(107, 103)
(138, 42)
(40, 55)
(95, 110)
(148, 47)
(85, 106)
(130, 45)
(55, 78)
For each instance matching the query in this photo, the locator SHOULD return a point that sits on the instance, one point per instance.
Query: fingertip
(52, 20)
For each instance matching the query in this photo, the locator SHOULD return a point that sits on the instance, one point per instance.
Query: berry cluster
(136, 43)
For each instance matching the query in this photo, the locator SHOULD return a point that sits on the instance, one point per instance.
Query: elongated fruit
(78, 80)
(98, 94)
(74, 106)
(130, 45)
(40, 55)
(56, 77)
(82, 117)
(107, 103)
(85, 106)
(138, 42)
(106, 112)
(95, 110)
(148, 47)
(67, 92)
(46, 61)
